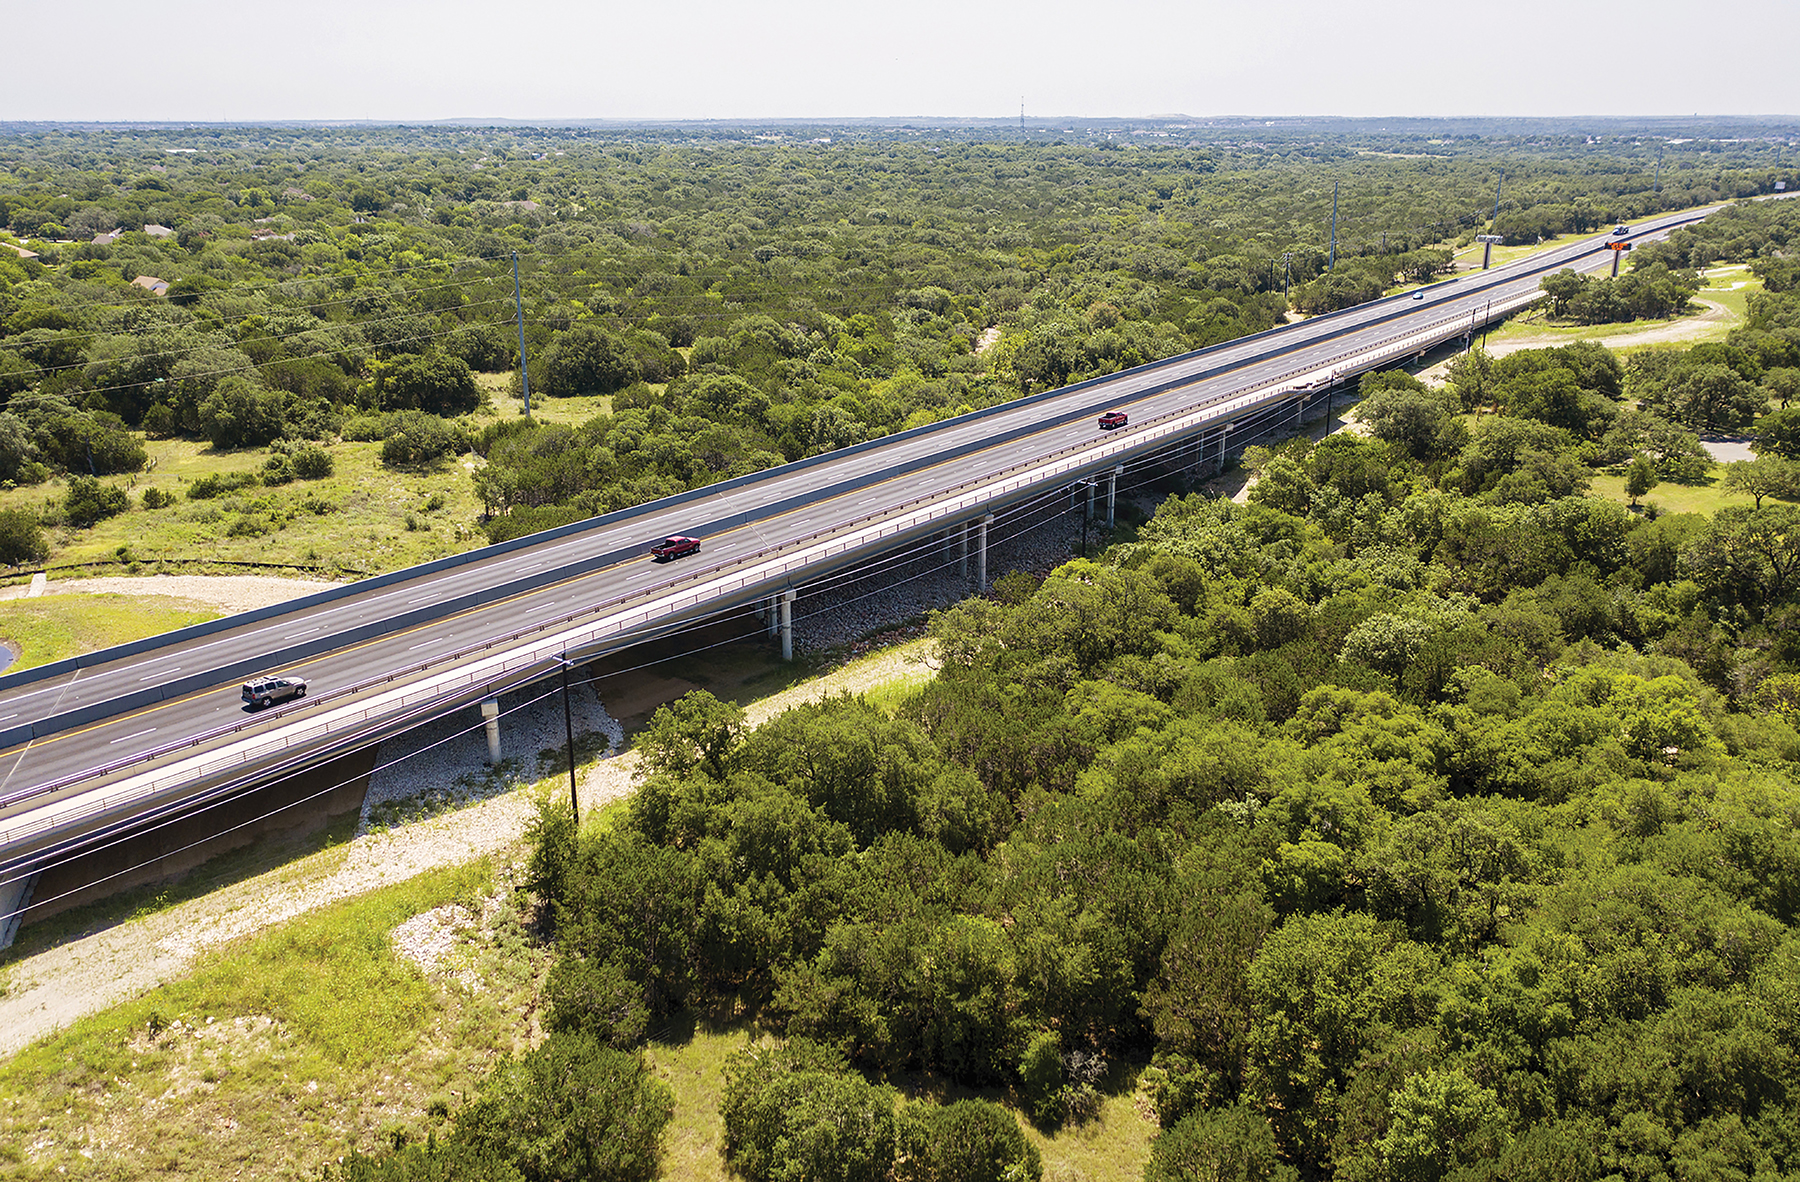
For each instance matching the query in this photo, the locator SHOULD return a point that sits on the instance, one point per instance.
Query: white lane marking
(160, 676)
(308, 632)
(134, 735)
(427, 644)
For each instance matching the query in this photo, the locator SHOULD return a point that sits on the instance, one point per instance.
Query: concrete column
(981, 532)
(787, 625)
(1091, 493)
(962, 551)
(771, 616)
(490, 714)
(1112, 493)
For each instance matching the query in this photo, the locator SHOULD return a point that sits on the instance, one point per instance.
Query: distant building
(108, 238)
(20, 251)
(152, 284)
(156, 231)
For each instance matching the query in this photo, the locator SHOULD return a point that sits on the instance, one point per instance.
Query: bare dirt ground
(48, 991)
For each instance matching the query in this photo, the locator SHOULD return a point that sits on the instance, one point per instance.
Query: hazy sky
(416, 60)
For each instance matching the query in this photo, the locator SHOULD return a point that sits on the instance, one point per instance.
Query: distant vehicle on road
(273, 687)
(674, 546)
(1112, 420)
(1620, 230)
(1419, 295)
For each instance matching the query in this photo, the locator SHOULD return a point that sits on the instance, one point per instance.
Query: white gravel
(907, 584)
(443, 764)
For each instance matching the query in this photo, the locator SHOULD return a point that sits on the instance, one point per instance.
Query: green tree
(1708, 396)
(1440, 1121)
(1750, 556)
(1766, 476)
(414, 437)
(437, 383)
(586, 360)
(695, 732)
(239, 413)
(89, 502)
(1562, 287)
(1640, 478)
(1778, 433)
(571, 1110)
(796, 1111)
(1221, 1145)
(22, 538)
(967, 1141)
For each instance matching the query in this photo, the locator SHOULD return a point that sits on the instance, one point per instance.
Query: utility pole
(1656, 187)
(1087, 511)
(569, 730)
(519, 309)
(1331, 261)
(1287, 272)
(1497, 185)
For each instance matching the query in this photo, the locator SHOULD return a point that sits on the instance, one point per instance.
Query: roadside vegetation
(328, 380)
(51, 628)
(1429, 816)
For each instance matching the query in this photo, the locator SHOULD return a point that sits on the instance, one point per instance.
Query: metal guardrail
(945, 504)
(991, 486)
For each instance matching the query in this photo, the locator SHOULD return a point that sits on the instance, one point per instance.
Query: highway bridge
(97, 748)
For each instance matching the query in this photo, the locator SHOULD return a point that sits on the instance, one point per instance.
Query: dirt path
(48, 991)
(1686, 328)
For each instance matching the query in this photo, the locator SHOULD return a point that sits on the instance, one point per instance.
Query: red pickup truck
(1112, 420)
(674, 546)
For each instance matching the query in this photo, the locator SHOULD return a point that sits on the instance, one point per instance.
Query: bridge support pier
(1112, 493)
(1092, 492)
(787, 625)
(962, 551)
(771, 616)
(490, 716)
(981, 532)
(15, 900)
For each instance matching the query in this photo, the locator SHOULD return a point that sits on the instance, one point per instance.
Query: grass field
(50, 628)
(1728, 286)
(1706, 498)
(278, 1054)
(363, 518)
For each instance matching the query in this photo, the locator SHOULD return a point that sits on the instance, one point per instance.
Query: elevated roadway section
(98, 747)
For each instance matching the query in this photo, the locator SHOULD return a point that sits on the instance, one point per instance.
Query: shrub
(571, 1109)
(89, 502)
(798, 1111)
(276, 470)
(156, 498)
(415, 438)
(220, 483)
(366, 428)
(239, 414)
(1228, 1144)
(311, 463)
(968, 1141)
(21, 538)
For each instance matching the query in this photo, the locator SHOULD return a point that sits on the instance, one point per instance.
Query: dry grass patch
(282, 1052)
(50, 628)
